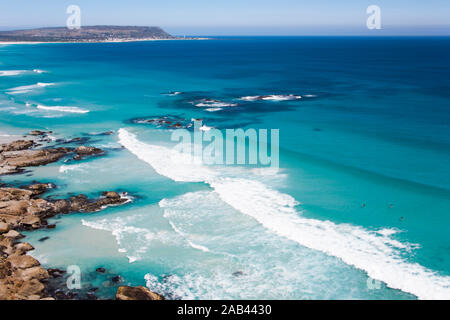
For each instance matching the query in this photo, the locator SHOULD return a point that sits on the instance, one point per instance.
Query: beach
(102, 41)
(6, 138)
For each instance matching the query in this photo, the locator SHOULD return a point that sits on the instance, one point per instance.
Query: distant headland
(88, 34)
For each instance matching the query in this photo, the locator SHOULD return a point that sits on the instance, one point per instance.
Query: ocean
(359, 208)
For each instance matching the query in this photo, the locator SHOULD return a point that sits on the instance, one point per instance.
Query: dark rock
(136, 293)
(91, 296)
(111, 195)
(39, 133)
(81, 203)
(116, 279)
(87, 151)
(106, 133)
(56, 273)
(39, 188)
(100, 270)
(60, 295)
(62, 206)
(74, 141)
(167, 122)
(71, 295)
(77, 141)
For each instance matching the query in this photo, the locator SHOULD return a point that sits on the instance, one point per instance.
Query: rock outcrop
(84, 151)
(39, 133)
(21, 210)
(39, 188)
(21, 276)
(17, 155)
(17, 145)
(136, 293)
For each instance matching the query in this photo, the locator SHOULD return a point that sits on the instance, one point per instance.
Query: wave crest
(377, 253)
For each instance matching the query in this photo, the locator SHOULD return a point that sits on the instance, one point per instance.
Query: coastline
(101, 41)
(26, 208)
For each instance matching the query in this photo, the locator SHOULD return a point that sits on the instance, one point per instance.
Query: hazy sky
(233, 17)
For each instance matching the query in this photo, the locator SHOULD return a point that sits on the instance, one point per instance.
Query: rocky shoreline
(22, 209)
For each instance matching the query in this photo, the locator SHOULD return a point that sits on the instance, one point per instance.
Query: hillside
(85, 34)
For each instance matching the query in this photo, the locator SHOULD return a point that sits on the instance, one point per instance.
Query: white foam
(133, 241)
(118, 230)
(213, 109)
(8, 73)
(216, 104)
(29, 88)
(73, 167)
(213, 104)
(378, 254)
(8, 109)
(268, 267)
(272, 97)
(167, 162)
(250, 98)
(43, 84)
(171, 94)
(19, 91)
(205, 128)
(52, 138)
(193, 245)
(63, 109)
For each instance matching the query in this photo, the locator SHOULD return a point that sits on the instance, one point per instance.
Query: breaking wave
(375, 252)
(63, 109)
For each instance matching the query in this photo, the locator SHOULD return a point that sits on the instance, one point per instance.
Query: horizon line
(290, 31)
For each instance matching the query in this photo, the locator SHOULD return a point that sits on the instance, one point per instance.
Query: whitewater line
(379, 255)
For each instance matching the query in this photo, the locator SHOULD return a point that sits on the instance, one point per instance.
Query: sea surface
(359, 208)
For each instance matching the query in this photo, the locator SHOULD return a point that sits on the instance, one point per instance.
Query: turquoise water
(363, 187)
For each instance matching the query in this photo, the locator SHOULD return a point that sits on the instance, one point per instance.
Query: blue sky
(238, 17)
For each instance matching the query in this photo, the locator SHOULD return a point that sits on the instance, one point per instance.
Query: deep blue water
(364, 153)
